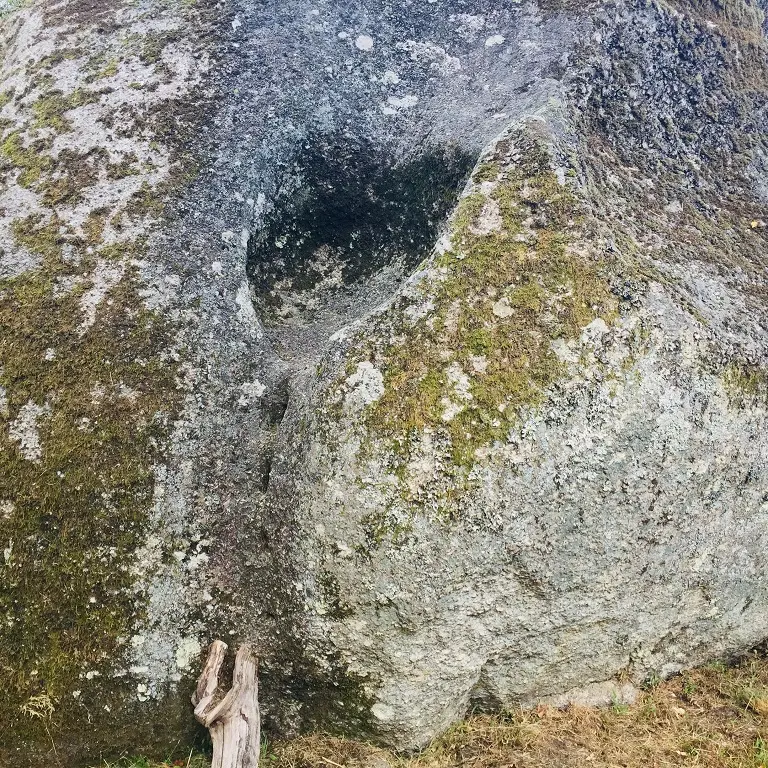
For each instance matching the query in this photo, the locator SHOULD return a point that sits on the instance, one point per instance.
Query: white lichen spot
(127, 393)
(416, 312)
(593, 333)
(390, 78)
(461, 395)
(105, 277)
(195, 561)
(246, 314)
(468, 26)
(502, 308)
(444, 244)
(403, 102)
(479, 363)
(564, 351)
(364, 43)
(365, 386)
(383, 712)
(341, 335)
(451, 409)
(50, 354)
(494, 40)
(187, 651)
(489, 220)
(431, 54)
(344, 550)
(97, 394)
(251, 392)
(23, 430)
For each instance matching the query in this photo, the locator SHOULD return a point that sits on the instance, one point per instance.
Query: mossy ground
(501, 295)
(713, 717)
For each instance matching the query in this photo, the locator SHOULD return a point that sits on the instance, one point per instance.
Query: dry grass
(714, 717)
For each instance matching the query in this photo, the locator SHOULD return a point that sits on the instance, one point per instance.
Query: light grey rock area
(421, 345)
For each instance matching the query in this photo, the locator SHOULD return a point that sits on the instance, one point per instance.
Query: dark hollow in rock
(347, 209)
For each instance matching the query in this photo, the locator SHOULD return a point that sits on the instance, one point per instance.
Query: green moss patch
(30, 160)
(50, 110)
(62, 179)
(512, 281)
(745, 384)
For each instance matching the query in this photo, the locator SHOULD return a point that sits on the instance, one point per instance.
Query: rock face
(422, 347)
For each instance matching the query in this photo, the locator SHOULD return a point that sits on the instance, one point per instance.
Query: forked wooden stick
(233, 720)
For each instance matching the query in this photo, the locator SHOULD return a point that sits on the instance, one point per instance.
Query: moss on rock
(50, 110)
(745, 384)
(30, 160)
(76, 480)
(513, 280)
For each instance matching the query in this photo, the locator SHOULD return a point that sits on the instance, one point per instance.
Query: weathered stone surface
(264, 376)
(560, 473)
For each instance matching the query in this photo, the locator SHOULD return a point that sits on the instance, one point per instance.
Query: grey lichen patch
(515, 277)
(7, 7)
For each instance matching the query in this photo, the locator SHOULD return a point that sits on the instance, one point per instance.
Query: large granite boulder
(421, 345)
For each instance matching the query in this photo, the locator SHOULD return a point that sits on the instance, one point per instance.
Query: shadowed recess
(346, 210)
